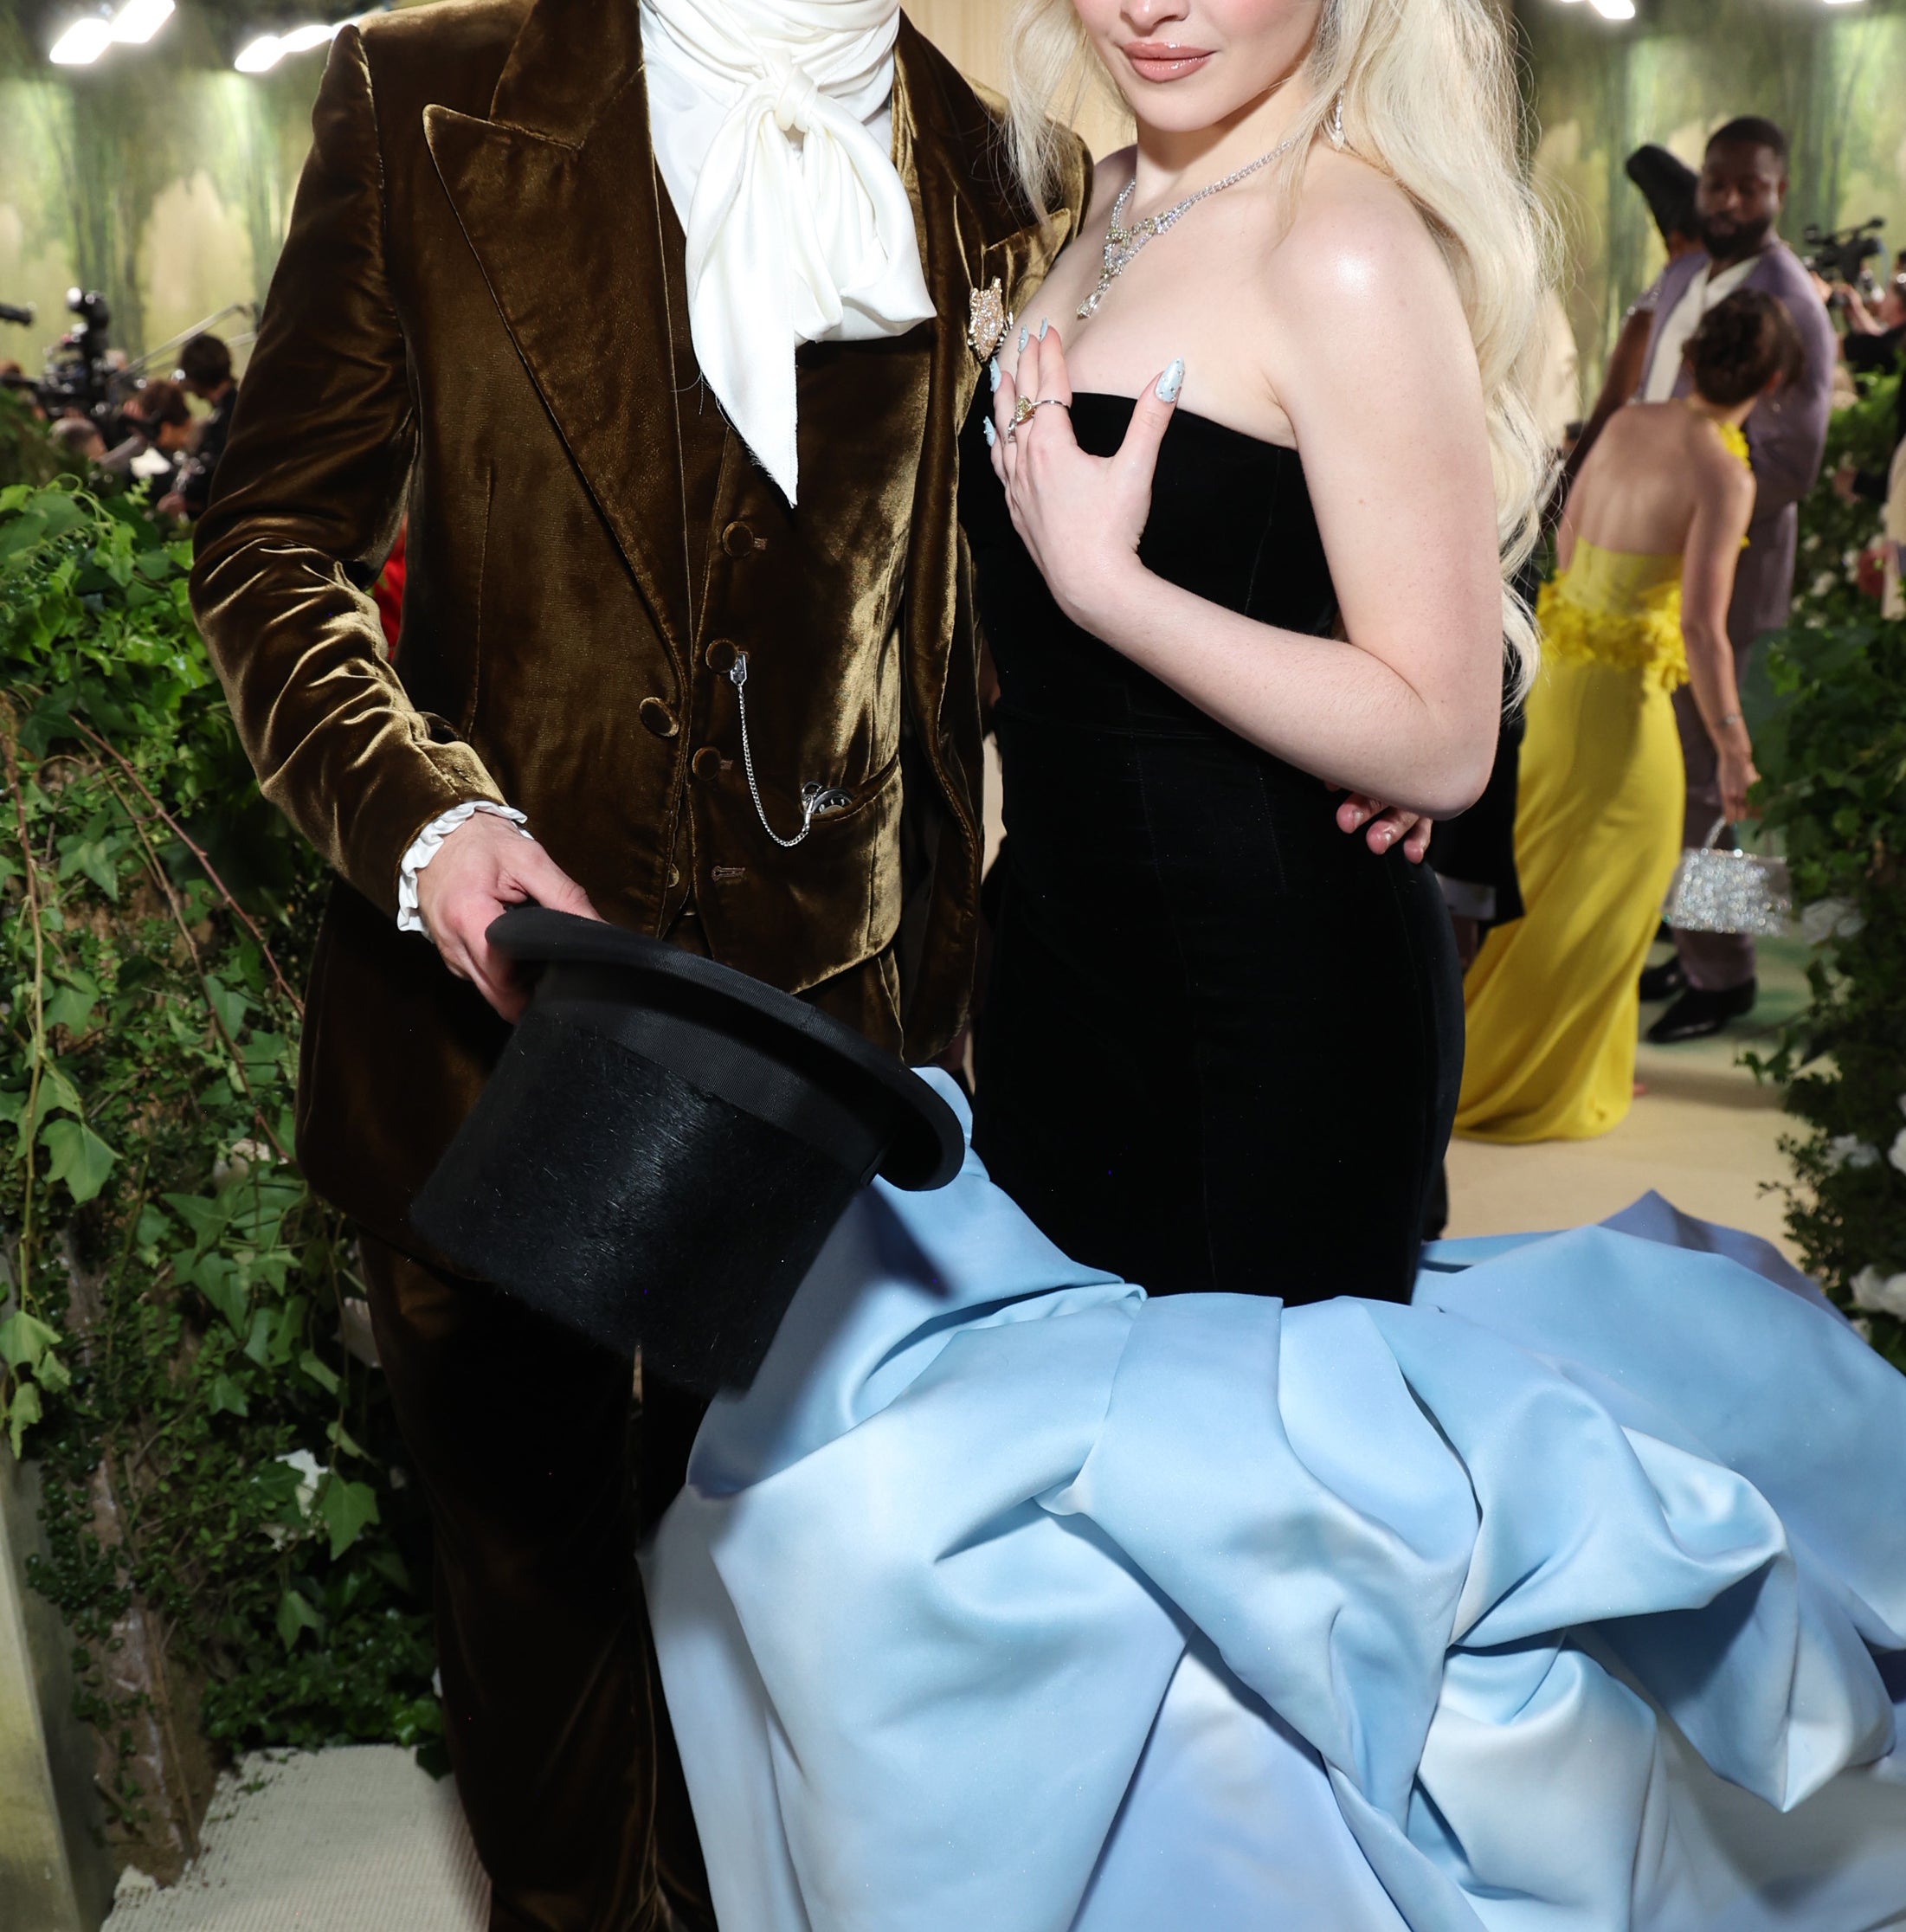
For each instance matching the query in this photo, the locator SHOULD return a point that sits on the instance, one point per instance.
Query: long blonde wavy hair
(1430, 97)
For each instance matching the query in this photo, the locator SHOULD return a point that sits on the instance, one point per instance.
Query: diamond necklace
(1123, 243)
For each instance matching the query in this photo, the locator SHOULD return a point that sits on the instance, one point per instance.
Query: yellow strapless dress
(1551, 1003)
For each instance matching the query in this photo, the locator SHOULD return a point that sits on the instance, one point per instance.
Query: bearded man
(653, 320)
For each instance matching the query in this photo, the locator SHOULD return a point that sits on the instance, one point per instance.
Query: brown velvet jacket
(471, 322)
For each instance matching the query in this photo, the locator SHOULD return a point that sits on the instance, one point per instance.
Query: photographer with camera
(159, 422)
(1738, 199)
(205, 369)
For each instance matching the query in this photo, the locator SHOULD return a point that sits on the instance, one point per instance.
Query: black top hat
(665, 1145)
(1667, 184)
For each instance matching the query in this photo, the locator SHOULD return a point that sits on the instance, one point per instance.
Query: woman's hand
(1080, 517)
(1737, 774)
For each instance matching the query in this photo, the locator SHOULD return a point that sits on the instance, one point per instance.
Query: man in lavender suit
(1738, 199)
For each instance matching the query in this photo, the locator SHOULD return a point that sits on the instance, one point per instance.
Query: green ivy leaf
(231, 1007)
(296, 1614)
(71, 1005)
(80, 1157)
(229, 1397)
(206, 1219)
(24, 1339)
(258, 1343)
(345, 1509)
(217, 1277)
(97, 857)
(319, 1371)
(22, 1412)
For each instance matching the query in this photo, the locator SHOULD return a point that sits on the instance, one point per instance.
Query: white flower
(1812, 542)
(1850, 1151)
(1880, 1294)
(1862, 1328)
(1896, 1152)
(310, 1473)
(1831, 919)
(1824, 582)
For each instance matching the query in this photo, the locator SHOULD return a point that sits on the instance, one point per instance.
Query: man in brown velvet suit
(494, 314)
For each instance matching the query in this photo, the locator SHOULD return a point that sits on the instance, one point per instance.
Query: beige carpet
(353, 1840)
(1704, 1134)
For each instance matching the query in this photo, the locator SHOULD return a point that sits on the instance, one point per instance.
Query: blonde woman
(1253, 470)
(1010, 1598)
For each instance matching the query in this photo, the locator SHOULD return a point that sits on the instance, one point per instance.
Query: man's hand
(482, 869)
(1387, 825)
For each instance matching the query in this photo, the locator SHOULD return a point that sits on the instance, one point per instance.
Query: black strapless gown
(1221, 1042)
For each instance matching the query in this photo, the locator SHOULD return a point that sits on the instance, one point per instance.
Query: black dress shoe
(1696, 1015)
(1664, 981)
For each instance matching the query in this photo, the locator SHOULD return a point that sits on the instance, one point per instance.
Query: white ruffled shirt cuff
(430, 843)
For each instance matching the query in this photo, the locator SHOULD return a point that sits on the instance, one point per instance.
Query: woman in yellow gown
(1645, 556)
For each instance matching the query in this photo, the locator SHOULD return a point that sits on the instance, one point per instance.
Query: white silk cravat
(798, 225)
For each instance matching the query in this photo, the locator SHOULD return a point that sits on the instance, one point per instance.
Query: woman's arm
(1724, 508)
(1376, 371)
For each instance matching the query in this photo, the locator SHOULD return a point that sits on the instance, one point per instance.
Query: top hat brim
(925, 1142)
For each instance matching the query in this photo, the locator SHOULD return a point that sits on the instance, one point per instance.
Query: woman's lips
(1160, 60)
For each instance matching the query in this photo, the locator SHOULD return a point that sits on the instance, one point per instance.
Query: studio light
(138, 20)
(256, 57)
(82, 43)
(261, 55)
(134, 25)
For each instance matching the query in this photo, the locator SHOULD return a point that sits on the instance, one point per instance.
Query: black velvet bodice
(1221, 1042)
(1231, 521)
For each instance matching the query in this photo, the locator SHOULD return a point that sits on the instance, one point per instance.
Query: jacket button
(658, 718)
(674, 875)
(706, 762)
(738, 539)
(720, 657)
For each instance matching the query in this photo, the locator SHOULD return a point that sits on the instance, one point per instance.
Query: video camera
(78, 376)
(1841, 254)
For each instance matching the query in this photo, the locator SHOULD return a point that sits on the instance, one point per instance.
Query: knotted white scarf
(798, 225)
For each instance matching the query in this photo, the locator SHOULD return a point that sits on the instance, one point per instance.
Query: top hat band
(732, 1070)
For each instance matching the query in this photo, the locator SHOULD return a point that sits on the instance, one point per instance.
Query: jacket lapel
(557, 196)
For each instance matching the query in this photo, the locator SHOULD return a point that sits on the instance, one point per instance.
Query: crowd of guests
(156, 439)
(1676, 540)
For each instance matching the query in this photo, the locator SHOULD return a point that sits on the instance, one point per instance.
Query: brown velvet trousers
(538, 1490)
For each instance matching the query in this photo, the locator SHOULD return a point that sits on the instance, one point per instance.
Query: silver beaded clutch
(1718, 891)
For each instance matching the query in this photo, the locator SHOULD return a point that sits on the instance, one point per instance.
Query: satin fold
(1570, 1597)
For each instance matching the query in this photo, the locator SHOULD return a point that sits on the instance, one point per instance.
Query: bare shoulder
(1356, 246)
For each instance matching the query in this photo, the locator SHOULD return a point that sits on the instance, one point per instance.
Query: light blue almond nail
(993, 372)
(1172, 381)
(987, 430)
(1025, 336)
(1043, 326)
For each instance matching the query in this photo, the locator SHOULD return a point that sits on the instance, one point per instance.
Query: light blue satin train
(1570, 1599)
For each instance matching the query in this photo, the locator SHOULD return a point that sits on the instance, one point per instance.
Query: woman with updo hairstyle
(1646, 559)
